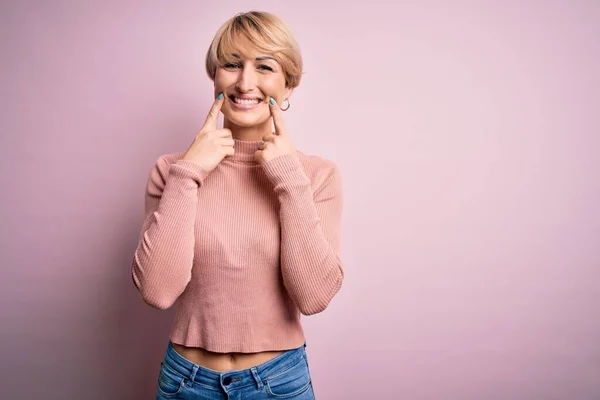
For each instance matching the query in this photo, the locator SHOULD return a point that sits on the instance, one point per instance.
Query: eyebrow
(261, 58)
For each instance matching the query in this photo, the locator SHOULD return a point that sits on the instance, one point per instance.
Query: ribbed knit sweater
(243, 250)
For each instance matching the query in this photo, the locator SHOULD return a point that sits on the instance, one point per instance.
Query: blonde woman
(242, 230)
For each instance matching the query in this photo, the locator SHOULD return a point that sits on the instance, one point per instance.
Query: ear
(288, 93)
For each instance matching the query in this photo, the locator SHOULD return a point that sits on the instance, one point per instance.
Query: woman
(242, 230)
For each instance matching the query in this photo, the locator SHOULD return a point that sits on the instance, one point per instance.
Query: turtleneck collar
(244, 150)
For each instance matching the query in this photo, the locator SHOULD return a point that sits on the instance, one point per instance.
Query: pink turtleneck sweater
(244, 250)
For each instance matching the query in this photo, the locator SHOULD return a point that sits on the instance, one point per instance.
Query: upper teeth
(244, 101)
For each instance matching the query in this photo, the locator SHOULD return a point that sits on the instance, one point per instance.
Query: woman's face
(247, 83)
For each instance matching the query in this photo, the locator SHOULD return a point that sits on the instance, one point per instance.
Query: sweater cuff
(279, 167)
(188, 169)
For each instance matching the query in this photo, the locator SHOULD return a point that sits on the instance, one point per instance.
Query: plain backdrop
(467, 133)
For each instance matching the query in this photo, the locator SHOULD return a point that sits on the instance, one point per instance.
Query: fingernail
(272, 101)
(220, 96)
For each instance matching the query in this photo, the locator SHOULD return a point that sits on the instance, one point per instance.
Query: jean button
(227, 380)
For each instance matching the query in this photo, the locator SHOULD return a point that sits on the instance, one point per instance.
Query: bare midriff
(224, 362)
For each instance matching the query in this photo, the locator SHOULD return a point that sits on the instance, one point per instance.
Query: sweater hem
(238, 347)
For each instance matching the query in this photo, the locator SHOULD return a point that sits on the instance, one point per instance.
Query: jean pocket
(170, 383)
(290, 383)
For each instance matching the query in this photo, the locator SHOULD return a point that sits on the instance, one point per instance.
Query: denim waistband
(235, 378)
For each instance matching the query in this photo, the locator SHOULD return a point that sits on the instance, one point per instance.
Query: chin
(246, 119)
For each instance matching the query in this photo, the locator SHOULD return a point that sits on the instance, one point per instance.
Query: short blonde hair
(267, 33)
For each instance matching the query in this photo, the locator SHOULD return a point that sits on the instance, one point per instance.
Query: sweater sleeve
(310, 232)
(162, 262)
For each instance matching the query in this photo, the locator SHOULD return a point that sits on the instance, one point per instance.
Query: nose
(246, 80)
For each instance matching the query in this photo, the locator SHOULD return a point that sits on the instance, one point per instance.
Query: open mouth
(245, 102)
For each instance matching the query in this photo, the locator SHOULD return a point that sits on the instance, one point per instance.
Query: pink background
(468, 136)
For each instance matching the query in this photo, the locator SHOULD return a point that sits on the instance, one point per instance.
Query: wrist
(282, 166)
(190, 169)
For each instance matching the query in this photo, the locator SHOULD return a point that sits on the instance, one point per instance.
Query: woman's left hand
(278, 143)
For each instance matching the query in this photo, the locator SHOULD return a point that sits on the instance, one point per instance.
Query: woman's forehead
(250, 55)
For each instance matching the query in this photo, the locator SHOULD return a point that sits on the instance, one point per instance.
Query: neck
(246, 139)
(248, 133)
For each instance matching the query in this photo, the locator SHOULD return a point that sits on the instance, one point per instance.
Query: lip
(244, 106)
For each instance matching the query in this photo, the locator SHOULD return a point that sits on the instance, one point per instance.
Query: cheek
(223, 80)
(274, 87)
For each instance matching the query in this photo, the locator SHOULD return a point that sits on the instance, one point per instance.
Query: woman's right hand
(211, 145)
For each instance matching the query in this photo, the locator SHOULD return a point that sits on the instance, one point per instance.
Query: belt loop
(256, 377)
(193, 373)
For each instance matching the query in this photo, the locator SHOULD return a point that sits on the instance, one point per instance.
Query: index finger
(213, 114)
(277, 117)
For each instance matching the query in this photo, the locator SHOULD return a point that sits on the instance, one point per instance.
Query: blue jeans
(284, 377)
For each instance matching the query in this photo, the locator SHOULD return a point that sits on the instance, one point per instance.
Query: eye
(231, 65)
(265, 67)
